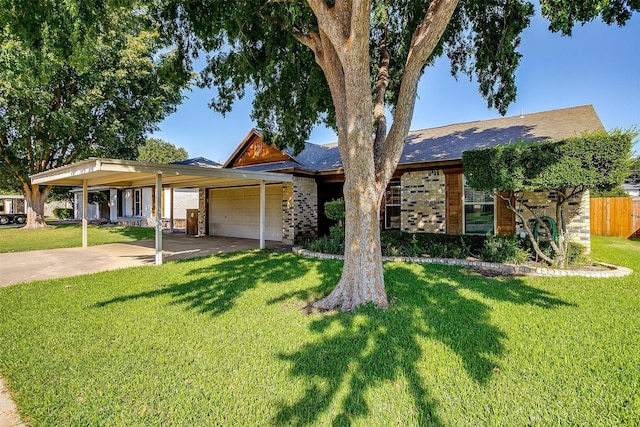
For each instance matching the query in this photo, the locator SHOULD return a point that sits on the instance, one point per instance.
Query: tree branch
(311, 40)
(379, 118)
(525, 225)
(424, 40)
(542, 224)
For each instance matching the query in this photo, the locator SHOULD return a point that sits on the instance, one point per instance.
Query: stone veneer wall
(202, 212)
(288, 215)
(577, 213)
(423, 202)
(304, 192)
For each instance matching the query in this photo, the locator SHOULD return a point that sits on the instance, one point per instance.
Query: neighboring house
(632, 185)
(50, 207)
(135, 205)
(427, 192)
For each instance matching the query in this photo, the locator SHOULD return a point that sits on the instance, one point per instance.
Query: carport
(128, 173)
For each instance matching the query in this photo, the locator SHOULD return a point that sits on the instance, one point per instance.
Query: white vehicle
(12, 210)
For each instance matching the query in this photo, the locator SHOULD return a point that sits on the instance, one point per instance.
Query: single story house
(427, 192)
(632, 185)
(264, 192)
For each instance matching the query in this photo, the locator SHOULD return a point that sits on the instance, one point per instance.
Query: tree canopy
(77, 80)
(596, 161)
(265, 45)
(159, 151)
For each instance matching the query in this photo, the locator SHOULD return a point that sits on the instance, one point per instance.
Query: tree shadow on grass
(374, 348)
(131, 232)
(214, 288)
(329, 272)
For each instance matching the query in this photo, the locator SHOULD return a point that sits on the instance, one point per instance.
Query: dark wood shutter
(505, 218)
(453, 187)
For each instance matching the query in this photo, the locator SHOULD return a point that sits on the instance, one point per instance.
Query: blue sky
(598, 65)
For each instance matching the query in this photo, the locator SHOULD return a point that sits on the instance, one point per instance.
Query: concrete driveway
(53, 263)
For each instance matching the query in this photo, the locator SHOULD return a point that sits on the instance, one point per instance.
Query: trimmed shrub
(430, 244)
(489, 248)
(331, 244)
(503, 250)
(335, 210)
(576, 254)
(63, 213)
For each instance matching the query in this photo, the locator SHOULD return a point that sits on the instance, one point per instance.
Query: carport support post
(158, 219)
(262, 213)
(171, 209)
(85, 208)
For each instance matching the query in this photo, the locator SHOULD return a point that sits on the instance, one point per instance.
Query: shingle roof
(198, 161)
(320, 157)
(448, 142)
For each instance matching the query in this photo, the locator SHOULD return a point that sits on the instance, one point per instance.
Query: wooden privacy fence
(615, 216)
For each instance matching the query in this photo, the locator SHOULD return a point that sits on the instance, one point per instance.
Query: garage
(235, 212)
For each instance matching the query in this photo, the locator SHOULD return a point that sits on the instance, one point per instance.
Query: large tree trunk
(341, 48)
(35, 197)
(362, 279)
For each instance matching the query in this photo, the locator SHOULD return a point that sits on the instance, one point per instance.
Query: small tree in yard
(566, 169)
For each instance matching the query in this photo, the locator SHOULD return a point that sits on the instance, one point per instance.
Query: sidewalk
(8, 412)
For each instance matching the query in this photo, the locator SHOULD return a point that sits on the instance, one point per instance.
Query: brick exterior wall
(577, 215)
(305, 208)
(424, 207)
(288, 215)
(299, 209)
(423, 199)
(202, 212)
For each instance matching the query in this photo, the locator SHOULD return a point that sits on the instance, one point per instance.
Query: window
(479, 211)
(121, 201)
(392, 205)
(137, 202)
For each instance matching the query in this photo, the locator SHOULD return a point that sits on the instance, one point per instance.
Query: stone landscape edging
(505, 269)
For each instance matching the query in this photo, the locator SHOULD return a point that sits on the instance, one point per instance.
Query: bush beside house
(562, 171)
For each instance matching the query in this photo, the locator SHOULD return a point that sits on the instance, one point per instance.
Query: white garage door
(235, 212)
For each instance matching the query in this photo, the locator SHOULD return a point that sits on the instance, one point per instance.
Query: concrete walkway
(8, 412)
(17, 267)
(22, 267)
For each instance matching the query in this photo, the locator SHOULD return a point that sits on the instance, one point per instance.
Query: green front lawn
(67, 236)
(226, 340)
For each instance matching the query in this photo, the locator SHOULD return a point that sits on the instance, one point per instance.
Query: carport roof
(130, 173)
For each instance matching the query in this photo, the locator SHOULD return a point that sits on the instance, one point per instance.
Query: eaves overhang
(131, 173)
